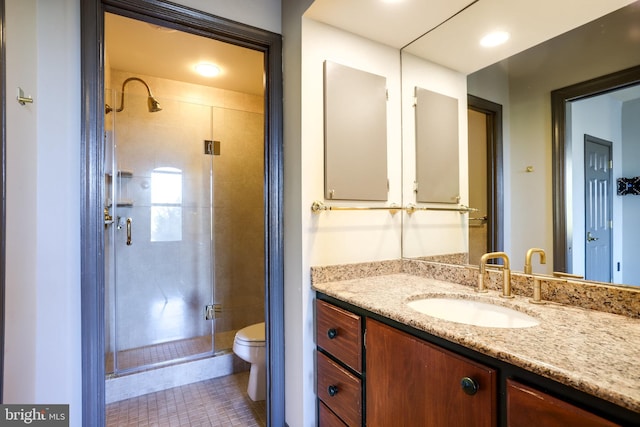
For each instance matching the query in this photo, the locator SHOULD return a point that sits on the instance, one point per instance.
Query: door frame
(561, 152)
(495, 180)
(3, 189)
(92, 242)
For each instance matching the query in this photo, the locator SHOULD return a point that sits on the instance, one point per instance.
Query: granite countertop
(589, 350)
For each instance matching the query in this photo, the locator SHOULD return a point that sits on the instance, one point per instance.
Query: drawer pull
(332, 390)
(332, 333)
(469, 386)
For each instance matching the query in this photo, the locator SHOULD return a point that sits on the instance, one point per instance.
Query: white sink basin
(472, 312)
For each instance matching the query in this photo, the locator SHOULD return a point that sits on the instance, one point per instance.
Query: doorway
(598, 208)
(184, 19)
(184, 180)
(561, 100)
(485, 177)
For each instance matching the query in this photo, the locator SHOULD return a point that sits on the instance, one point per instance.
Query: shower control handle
(129, 221)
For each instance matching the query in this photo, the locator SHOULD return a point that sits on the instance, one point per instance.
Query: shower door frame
(92, 225)
(125, 311)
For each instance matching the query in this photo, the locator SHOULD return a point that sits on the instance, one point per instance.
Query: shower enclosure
(183, 226)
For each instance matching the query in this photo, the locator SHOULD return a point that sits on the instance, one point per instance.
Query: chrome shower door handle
(129, 221)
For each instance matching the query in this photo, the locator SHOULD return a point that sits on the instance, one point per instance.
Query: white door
(598, 208)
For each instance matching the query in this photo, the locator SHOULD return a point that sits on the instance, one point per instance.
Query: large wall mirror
(552, 46)
(546, 184)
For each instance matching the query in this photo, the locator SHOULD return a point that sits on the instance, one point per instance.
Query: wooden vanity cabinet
(410, 382)
(526, 405)
(374, 374)
(339, 366)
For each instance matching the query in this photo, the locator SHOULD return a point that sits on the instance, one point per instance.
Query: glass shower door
(160, 244)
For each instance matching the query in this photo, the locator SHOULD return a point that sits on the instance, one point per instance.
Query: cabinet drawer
(525, 404)
(339, 390)
(339, 333)
(326, 418)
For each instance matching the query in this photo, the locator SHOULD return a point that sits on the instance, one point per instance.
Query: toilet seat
(251, 336)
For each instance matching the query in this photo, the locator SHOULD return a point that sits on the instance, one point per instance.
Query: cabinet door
(413, 383)
(525, 404)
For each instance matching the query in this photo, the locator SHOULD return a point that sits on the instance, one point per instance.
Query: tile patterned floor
(164, 352)
(215, 402)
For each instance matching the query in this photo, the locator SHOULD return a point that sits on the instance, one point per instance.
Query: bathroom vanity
(381, 363)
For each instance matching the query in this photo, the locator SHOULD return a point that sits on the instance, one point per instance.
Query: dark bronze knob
(332, 333)
(332, 390)
(469, 386)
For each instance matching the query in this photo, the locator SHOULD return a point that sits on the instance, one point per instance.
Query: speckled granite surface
(592, 351)
(591, 295)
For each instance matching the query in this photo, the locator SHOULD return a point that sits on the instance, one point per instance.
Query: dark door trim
(561, 149)
(92, 244)
(3, 190)
(495, 184)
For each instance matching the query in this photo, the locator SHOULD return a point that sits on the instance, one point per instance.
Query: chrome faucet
(506, 274)
(527, 260)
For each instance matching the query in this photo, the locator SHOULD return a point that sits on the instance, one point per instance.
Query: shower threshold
(172, 352)
(165, 374)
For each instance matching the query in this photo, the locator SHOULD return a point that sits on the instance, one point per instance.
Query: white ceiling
(455, 43)
(453, 29)
(394, 23)
(147, 49)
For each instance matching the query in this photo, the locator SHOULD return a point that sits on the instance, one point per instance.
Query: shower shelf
(122, 174)
(122, 203)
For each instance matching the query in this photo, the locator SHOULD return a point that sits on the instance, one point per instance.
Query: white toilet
(249, 345)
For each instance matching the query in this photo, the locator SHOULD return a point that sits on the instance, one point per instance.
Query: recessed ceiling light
(207, 69)
(494, 39)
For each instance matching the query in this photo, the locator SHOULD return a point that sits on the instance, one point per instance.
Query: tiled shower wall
(164, 285)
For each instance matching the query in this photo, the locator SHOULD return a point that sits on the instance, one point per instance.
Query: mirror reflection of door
(598, 208)
(478, 221)
(485, 177)
(610, 113)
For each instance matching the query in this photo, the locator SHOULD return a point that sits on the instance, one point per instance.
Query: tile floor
(216, 402)
(158, 353)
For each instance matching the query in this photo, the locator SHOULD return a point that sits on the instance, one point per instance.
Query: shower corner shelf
(124, 203)
(122, 174)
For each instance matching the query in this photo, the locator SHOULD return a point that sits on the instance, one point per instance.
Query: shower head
(152, 104)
